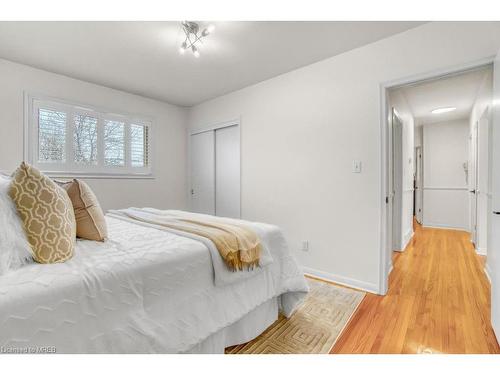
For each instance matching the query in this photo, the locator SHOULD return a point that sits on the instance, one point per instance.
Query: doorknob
(472, 191)
(192, 191)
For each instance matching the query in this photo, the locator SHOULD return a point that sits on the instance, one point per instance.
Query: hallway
(438, 302)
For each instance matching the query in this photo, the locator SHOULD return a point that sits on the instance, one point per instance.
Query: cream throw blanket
(238, 245)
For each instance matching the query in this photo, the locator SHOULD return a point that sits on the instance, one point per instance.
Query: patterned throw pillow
(47, 215)
(90, 220)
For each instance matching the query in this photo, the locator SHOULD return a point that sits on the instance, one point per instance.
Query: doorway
(456, 183)
(433, 191)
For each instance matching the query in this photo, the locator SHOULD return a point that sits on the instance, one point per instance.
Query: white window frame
(32, 103)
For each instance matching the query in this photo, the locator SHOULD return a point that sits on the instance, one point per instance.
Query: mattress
(144, 290)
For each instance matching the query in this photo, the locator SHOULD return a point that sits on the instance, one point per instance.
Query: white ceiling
(143, 58)
(458, 91)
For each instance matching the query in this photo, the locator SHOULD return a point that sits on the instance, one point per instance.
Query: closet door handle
(496, 212)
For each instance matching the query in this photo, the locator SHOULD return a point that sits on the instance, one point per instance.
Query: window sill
(104, 176)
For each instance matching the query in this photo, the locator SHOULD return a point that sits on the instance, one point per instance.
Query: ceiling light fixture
(194, 36)
(437, 111)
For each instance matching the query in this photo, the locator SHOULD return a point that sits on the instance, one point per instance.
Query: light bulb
(182, 48)
(196, 53)
(210, 29)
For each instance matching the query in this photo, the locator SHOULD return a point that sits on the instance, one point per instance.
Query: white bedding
(270, 236)
(144, 290)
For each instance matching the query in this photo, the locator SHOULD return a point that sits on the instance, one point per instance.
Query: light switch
(356, 166)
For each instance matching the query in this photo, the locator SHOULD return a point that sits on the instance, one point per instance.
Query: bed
(146, 290)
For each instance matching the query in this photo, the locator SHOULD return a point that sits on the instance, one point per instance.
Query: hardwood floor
(438, 302)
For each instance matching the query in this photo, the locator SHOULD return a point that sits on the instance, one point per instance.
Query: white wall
(398, 101)
(446, 197)
(483, 101)
(418, 135)
(301, 131)
(167, 189)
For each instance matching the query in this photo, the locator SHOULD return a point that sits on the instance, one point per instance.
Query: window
(114, 143)
(51, 136)
(85, 140)
(138, 148)
(69, 139)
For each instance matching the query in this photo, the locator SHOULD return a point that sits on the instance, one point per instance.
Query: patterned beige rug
(313, 329)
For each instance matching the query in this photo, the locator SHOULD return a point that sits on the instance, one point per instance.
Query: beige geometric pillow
(47, 215)
(90, 221)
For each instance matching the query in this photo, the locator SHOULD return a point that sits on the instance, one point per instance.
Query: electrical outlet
(305, 246)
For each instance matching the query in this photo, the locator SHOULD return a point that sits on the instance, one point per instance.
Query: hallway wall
(446, 201)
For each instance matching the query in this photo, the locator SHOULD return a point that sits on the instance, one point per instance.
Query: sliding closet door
(227, 171)
(203, 173)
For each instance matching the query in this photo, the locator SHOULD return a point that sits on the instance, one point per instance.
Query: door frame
(385, 114)
(202, 129)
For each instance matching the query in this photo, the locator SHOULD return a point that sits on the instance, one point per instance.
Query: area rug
(315, 326)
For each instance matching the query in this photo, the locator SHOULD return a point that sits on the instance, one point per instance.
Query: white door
(202, 174)
(493, 260)
(483, 190)
(472, 183)
(227, 171)
(387, 258)
(418, 184)
(397, 181)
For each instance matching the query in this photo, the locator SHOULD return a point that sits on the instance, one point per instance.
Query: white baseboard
(342, 280)
(481, 251)
(443, 226)
(487, 271)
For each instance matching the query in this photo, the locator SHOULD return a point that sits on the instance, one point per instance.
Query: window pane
(114, 143)
(51, 136)
(85, 140)
(139, 145)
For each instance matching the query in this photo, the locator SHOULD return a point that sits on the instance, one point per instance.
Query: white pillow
(15, 250)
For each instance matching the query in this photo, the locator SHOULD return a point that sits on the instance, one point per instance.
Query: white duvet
(270, 236)
(144, 290)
